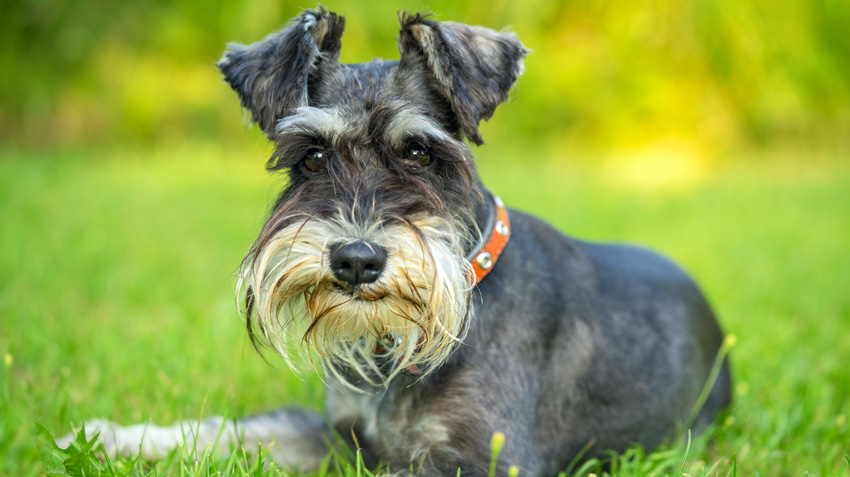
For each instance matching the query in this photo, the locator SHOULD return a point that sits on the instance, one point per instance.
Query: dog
(439, 316)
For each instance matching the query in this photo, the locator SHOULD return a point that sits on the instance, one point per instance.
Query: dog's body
(375, 257)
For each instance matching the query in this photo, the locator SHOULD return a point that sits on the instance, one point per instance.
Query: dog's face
(363, 258)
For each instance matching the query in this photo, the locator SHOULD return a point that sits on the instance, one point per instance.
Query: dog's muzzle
(372, 300)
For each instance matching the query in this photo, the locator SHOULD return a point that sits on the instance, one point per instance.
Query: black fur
(271, 76)
(473, 68)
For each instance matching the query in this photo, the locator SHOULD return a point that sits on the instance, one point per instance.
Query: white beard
(411, 316)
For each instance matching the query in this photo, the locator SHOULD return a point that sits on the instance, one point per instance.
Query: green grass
(117, 276)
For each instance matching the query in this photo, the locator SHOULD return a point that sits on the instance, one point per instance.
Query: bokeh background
(716, 131)
(699, 77)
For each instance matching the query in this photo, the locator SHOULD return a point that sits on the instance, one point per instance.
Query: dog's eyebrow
(325, 122)
(411, 123)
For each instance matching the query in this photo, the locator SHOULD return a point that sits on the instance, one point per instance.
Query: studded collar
(485, 257)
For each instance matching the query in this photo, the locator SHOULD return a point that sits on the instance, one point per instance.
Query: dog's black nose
(358, 262)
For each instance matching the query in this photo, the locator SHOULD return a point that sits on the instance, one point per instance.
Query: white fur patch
(293, 440)
(326, 121)
(411, 122)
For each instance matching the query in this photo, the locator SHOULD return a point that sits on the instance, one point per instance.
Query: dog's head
(364, 256)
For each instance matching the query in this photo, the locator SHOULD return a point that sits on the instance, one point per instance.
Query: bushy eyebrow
(409, 123)
(326, 123)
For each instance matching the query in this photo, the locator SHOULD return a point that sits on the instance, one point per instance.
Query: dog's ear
(473, 67)
(271, 76)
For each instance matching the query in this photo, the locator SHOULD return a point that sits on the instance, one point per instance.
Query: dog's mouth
(386, 343)
(360, 292)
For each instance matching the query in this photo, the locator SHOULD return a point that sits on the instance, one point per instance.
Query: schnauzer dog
(439, 316)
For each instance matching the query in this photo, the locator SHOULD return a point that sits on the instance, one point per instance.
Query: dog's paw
(423, 471)
(91, 427)
(140, 439)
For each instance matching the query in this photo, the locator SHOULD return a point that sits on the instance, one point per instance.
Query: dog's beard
(412, 316)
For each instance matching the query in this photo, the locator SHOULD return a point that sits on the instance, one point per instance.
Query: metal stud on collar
(502, 229)
(484, 260)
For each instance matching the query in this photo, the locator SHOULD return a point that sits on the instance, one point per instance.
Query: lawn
(116, 291)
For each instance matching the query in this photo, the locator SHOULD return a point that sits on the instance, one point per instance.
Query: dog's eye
(314, 161)
(419, 156)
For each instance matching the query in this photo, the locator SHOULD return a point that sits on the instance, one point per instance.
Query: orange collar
(485, 258)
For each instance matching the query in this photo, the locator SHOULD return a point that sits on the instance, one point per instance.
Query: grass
(116, 295)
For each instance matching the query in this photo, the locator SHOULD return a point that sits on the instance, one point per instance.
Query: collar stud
(485, 260)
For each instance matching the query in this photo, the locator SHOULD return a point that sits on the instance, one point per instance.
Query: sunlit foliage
(702, 75)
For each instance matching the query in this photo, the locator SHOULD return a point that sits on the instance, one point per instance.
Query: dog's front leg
(296, 438)
(473, 459)
(476, 459)
(436, 429)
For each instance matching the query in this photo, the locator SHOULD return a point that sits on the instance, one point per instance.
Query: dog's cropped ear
(271, 76)
(474, 67)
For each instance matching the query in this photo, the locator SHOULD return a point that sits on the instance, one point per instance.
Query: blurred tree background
(694, 78)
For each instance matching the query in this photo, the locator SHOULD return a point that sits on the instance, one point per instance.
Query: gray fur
(271, 76)
(569, 344)
(472, 67)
